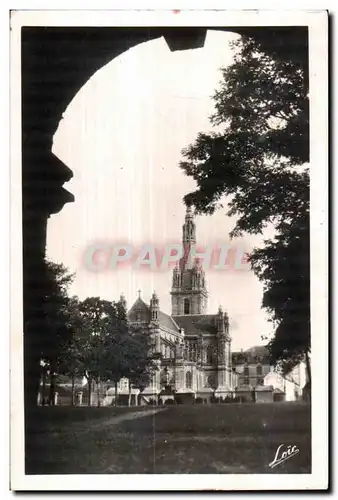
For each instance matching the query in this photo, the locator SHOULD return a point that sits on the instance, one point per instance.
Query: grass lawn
(184, 439)
(58, 418)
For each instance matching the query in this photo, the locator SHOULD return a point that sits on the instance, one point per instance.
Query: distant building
(291, 385)
(251, 366)
(193, 348)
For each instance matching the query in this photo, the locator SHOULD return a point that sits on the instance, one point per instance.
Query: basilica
(193, 347)
(192, 350)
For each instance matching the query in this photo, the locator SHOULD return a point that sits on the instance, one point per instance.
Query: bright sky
(122, 136)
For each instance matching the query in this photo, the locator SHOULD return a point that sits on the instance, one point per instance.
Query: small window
(259, 370)
(186, 306)
(210, 357)
(260, 381)
(188, 380)
(246, 381)
(246, 371)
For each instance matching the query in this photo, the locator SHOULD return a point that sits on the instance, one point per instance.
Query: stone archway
(56, 63)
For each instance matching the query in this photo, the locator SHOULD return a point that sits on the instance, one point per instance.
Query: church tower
(154, 308)
(188, 294)
(224, 364)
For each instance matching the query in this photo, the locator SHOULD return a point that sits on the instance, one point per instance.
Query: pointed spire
(154, 307)
(189, 213)
(220, 321)
(123, 301)
(189, 228)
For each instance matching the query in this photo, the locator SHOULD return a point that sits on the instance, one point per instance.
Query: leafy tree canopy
(257, 157)
(55, 328)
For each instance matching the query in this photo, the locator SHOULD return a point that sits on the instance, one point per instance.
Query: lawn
(58, 418)
(184, 439)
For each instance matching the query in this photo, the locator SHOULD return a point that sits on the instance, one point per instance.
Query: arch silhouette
(56, 63)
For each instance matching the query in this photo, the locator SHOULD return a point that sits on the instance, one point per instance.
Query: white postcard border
(318, 50)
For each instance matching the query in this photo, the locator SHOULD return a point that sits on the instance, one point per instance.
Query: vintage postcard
(169, 322)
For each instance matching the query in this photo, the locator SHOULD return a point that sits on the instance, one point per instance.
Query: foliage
(91, 338)
(138, 357)
(284, 267)
(71, 357)
(104, 347)
(257, 159)
(102, 354)
(55, 313)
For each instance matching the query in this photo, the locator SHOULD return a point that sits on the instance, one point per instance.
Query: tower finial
(154, 307)
(123, 301)
(188, 212)
(139, 293)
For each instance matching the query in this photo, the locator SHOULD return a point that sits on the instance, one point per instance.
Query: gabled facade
(194, 347)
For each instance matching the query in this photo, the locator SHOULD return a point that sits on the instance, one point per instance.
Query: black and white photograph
(169, 322)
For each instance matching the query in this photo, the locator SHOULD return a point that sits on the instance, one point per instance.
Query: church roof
(139, 304)
(167, 321)
(195, 324)
(264, 388)
(257, 349)
(139, 311)
(257, 353)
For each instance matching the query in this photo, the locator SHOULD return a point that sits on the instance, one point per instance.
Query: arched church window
(210, 355)
(188, 380)
(186, 306)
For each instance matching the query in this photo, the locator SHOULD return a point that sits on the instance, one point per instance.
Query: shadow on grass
(185, 439)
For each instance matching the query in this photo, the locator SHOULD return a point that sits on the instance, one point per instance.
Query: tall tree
(98, 316)
(103, 346)
(257, 157)
(55, 319)
(140, 364)
(71, 362)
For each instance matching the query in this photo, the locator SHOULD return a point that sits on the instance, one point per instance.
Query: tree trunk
(115, 394)
(52, 387)
(43, 390)
(129, 395)
(89, 391)
(308, 367)
(73, 390)
(98, 392)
